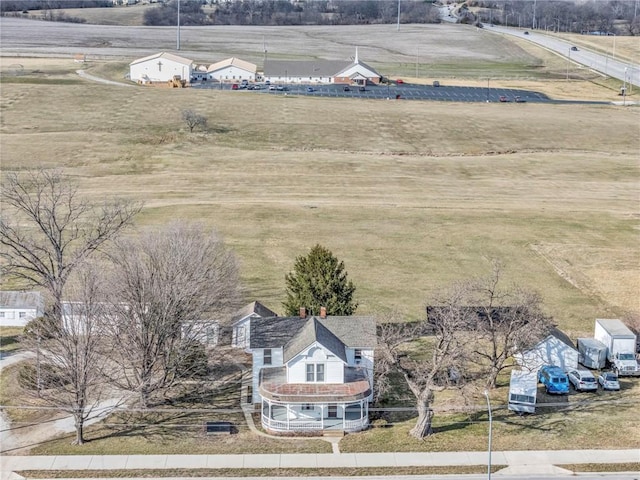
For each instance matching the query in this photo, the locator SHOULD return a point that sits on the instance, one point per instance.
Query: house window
(315, 372)
(307, 406)
(266, 358)
(1, 314)
(212, 335)
(332, 411)
(357, 355)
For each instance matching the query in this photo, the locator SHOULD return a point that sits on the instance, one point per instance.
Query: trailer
(523, 390)
(593, 353)
(621, 345)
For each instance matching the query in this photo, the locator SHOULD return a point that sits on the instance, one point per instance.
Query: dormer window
(315, 372)
(357, 355)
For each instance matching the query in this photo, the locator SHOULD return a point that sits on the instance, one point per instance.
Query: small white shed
(17, 308)
(555, 349)
(160, 67)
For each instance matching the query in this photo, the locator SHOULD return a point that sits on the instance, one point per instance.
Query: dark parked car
(574, 49)
(526, 33)
(436, 83)
(309, 89)
(518, 99)
(362, 89)
(346, 88)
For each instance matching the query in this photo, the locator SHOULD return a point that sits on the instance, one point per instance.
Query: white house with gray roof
(160, 67)
(241, 326)
(321, 71)
(313, 373)
(18, 308)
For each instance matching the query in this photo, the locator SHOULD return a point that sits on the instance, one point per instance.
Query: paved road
(626, 72)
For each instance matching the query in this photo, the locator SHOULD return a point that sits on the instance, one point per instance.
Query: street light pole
(398, 27)
(568, 63)
(486, 394)
(178, 37)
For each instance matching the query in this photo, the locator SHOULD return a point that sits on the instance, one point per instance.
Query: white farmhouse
(160, 67)
(17, 308)
(241, 333)
(232, 70)
(556, 349)
(313, 373)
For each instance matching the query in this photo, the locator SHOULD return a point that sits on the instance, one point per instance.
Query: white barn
(18, 308)
(555, 349)
(232, 70)
(160, 67)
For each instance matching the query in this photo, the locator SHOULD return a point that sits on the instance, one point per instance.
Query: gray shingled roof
(314, 331)
(350, 331)
(311, 68)
(16, 299)
(254, 307)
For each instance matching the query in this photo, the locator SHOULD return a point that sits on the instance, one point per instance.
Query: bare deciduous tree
(502, 320)
(440, 362)
(47, 230)
(69, 352)
(193, 120)
(166, 285)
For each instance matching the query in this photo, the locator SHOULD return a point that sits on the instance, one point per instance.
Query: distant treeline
(285, 12)
(21, 5)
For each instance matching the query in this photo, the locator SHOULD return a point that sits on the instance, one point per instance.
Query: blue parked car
(553, 379)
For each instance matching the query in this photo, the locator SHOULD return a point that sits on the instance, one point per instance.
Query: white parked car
(609, 381)
(582, 380)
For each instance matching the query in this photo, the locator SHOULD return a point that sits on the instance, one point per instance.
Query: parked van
(553, 379)
(523, 390)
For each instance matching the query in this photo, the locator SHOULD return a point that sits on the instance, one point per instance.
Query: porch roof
(274, 386)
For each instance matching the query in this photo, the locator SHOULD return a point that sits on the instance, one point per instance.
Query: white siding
(17, 317)
(315, 354)
(258, 356)
(231, 73)
(159, 70)
(550, 351)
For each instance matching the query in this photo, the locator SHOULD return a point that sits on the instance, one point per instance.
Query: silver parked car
(609, 381)
(582, 380)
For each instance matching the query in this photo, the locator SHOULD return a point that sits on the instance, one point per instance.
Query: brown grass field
(411, 195)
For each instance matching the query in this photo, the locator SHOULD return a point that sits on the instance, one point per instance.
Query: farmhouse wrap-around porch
(302, 407)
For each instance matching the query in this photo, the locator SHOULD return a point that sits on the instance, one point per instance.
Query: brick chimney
(323, 312)
(303, 312)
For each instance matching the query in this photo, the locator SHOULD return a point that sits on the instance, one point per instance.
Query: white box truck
(523, 390)
(593, 353)
(620, 343)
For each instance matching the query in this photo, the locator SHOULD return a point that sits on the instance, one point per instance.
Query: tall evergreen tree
(319, 280)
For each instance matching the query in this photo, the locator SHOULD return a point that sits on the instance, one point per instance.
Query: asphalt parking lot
(404, 91)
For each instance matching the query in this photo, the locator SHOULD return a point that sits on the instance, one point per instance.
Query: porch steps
(333, 433)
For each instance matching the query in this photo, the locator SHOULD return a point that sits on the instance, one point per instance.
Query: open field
(411, 195)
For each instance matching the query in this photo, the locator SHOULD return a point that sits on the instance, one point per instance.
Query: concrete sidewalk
(325, 460)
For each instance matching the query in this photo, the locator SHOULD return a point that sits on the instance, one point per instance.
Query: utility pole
(178, 39)
(398, 27)
(533, 25)
(486, 394)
